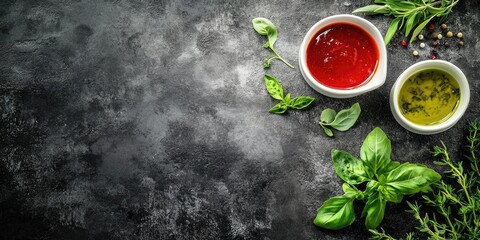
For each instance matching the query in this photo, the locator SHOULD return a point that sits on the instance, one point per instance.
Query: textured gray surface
(148, 120)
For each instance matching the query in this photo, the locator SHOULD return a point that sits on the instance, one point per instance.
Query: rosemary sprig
(409, 15)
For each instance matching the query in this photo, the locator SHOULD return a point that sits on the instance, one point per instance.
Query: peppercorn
(449, 34)
(420, 37)
(404, 43)
(435, 43)
(434, 52)
(431, 26)
(434, 57)
(422, 45)
(460, 44)
(439, 36)
(459, 35)
(415, 53)
(446, 44)
(434, 35)
(444, 26)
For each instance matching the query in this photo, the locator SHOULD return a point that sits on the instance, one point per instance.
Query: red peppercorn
(434, 57)
(404, 43)
(431, 26)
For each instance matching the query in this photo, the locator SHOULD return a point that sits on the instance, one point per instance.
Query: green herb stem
(280, 58)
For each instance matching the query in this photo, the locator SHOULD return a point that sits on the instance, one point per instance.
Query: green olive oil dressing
(429, 97)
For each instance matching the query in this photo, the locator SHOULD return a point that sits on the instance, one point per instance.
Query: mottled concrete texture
(148, 120)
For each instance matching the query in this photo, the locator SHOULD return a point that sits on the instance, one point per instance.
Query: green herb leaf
(265, 27)
(327, 116)
(288, 99)
(392, 30)
(389, 167)
(376, 150)
(369, 9)
(348, 168)
(279, 108)
(411, 178)
(409, 23)
(351, 191)
(419, 28)
(390, 194)
(327, 131)
(346, 118)
(301, 102)
(274, 88)
(374, 210)
(335, 213)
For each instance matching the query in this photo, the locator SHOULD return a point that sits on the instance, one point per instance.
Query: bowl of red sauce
(343, 56)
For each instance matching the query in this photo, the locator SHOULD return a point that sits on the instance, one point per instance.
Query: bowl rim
(377, 79)
(442, 65)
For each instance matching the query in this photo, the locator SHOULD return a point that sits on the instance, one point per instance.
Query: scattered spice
(404, 43)
(434, 57)
(420, 37)
(446, 44)
(460, 44)
(435, 43)
(422, 45)
(460, 35)
(449, 34)
(415, 53)
(439, 36)
(443, 26)
(431, 26)
(435, 35)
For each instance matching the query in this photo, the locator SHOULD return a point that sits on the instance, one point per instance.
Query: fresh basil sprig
(342, 121)
(275, 90)
(409, 15)
(387, 181)
(265, 27)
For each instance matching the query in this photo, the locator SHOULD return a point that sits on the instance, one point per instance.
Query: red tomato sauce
(342, 56)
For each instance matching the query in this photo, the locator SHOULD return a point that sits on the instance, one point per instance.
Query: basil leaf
(335, 213)
(265, 27)
(390, 194)
(392, 30)
(389, 167)
(346, 118)
(351, 191)
(374, 210)
(288, 99)
(328, 115)
(410, 178)
(301, 102)
(274, 88)
(327, 131)
(279, 108)
(347, 167)
(376, 150)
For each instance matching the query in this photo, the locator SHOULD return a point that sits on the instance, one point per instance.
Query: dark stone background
(148, 120)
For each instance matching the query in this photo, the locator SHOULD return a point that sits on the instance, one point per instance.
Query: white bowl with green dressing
(430, 97)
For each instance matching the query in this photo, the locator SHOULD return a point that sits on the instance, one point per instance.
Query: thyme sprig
(409, 15)
(457, 205)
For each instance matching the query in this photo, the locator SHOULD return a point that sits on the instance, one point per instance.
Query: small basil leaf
(279, 108)
(288, 99)
(265, 27)
(390, 194)
(374, 210)
(301, 102)
(346, 118)
(347, 167)
(376, 150)
(410, 178)
(335, 213)
(274, 88)
(328, 115)
(351, 191)
(389, 167)
(327, 130)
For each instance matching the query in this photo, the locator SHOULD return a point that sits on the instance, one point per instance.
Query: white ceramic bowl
(378, 78)
(455, 72)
